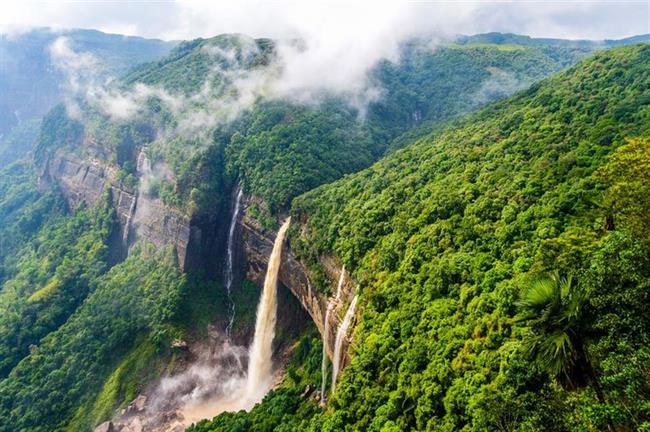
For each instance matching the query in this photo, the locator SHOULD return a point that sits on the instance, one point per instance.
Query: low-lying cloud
(87, 82)
(341, 41)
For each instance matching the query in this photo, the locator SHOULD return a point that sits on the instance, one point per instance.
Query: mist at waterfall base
(239, 391)
(211, 385)
(224, 376)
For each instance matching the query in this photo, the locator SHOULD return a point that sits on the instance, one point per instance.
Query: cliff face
(257, 244)
(199, 244)
(141, 218)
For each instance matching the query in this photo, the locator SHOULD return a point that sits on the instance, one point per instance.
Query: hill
(442, 234)
(31, 85)
(445, 235)
(502, 267)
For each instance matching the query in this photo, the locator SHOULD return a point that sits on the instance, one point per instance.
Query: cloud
(341, 42)
(282, 18)
(87, 79)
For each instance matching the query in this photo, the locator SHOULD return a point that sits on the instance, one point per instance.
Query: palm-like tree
(553, 309)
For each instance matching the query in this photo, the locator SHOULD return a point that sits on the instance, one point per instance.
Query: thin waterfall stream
(230, 257)
(338, 344)
(330, 305)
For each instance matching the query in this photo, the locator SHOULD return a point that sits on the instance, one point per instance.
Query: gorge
(196, 260)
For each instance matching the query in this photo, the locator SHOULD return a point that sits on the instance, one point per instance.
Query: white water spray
(260, 363)
(330, 305)
(230, 263)
(338, 345)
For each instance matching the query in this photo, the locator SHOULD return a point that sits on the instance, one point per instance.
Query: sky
(359, 22)
(342, 40)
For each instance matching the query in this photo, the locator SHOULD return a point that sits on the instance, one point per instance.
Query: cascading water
(230, 256)
(338, 344)
(330, 305)
(260, 362)
(215, 382)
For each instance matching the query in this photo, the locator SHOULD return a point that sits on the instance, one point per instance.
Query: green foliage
(137, 300)
(627, 175)
(140, 366)
(553, 309)
(425, 87)
(19, 142)
(245, 299)
(23, 210)
(442, 234)
(279, 149)
(57, 130)
(54, 275)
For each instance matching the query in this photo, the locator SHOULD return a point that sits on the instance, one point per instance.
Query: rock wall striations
(141, 218)
(257, 244)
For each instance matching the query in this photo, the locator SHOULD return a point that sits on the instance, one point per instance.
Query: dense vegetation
(76, 342)
(516, 236)
(131, 309)
(30, 83)
(23, 210)
(454, 241)
(53, 277)
(279, 149)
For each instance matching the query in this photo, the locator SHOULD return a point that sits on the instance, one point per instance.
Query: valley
(459, 244)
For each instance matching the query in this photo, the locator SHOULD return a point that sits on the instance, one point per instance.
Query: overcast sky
(349, 20)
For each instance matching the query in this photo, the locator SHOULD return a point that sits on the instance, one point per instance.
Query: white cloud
(342, 41)
(361, 18)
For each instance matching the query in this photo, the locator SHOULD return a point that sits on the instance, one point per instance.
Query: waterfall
(259, 363)
(230, 256)
(338, 344)
(330, 305)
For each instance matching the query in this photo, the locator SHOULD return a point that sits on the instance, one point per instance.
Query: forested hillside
(515, 239)
(31, 83)
(502, 266)
(280, 148)
(500, 255)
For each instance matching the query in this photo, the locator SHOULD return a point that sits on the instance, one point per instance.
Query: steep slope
(161, 169)
(444, 238)
(31, 84)
(443, 235)
(280, 148)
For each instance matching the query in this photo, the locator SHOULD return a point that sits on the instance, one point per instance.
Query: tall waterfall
(259, 363)
(229, 273)
(330, 305)
(338, 344)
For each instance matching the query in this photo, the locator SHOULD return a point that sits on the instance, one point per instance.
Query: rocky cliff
(198, 243)
(84, 180)
(257, 244)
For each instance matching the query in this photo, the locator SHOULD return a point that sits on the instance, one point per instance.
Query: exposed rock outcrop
(258, 243)
(141, 217)
(105, 427)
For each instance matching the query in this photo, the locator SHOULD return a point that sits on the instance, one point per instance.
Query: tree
(553, 308)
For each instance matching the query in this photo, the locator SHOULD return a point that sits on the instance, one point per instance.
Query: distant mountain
(510, 38)
(30, 84)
